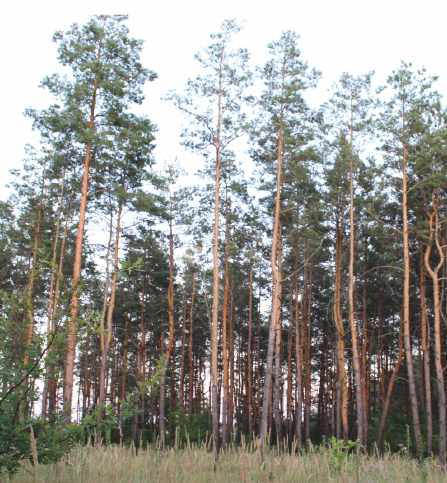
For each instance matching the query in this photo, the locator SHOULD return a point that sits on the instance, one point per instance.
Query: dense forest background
(304, 303)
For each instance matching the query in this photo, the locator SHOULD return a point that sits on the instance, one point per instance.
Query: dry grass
(118, 464)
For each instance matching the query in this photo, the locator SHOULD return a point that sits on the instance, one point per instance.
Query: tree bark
(72, 328)
(108, 328)
(355, 351)
(406, 303)
(171, 327)
(426, 353)
(343, 393)
(434, 238)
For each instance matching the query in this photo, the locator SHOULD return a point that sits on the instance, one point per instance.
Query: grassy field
(120, 464)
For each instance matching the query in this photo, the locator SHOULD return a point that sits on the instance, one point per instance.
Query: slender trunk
(365, 351)
(299, 362)
(171, 327)
(191, 365)
(342, 391)
(307, 359)
(123, 377)
(426, 353)
(51, 381)
(225, 431)
(249, 354)
(289, 369)
(32, 281)
(73, 324)
(355, 350)
(215, 319)
(406, 303)
(276, 282)
(182, 367)
(434, 237)
(231, 360)
(278, 376)
(86, 386)
(51, 292)
(108, 328)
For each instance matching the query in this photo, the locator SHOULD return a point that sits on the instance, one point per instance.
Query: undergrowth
(118, 464)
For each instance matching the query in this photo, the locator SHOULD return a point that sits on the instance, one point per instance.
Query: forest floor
(121, 464)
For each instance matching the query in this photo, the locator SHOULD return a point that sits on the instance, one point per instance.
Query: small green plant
(340, 451)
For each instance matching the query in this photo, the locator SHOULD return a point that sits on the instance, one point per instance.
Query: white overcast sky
(336, 36)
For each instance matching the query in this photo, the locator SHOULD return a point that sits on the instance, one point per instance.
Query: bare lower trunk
(108, 338)
(278, 382)
(249, 354)
(171, 328)
(426, 353)
(73, 324)
(191, 365)
(276, 282)
(434, 238)
(299, 363)
(225, 382)
(342, 389)
(406, 303)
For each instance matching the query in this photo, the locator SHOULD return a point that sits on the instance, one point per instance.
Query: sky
(336, 36)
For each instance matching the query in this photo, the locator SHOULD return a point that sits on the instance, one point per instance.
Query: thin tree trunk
(73, 324)
(289, 369)
(171, 327)
(275, 286)
(225, 431)
(108, 328)
(426, 353)
(191, 366)
(278, 376)
(343, 393)
(249, 354)
(434, 237)
(308, 355)
(355, 351)
(32, 281)
(51, 293)
(182, 366)
(299, 363)
(406, 303)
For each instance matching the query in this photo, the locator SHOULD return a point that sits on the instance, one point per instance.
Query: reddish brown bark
(73, 324)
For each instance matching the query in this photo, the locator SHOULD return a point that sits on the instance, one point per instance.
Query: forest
(299, 305)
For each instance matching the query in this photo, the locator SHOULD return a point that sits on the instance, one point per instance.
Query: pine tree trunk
(108, 338)
(342, 382)
(289, 369)
(182, 366)
(225, 382)
(249, 354)
(171, 329)
(299, 363)
(32, 281)
(434, 237)
(426, 353)
(73, 324)
(51, 292)
(308, 355)
(278, 363)
(275, 290)
(355, 351)
(406, 303)
(191, 365)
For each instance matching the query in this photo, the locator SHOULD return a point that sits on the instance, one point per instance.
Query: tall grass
(121, 464)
